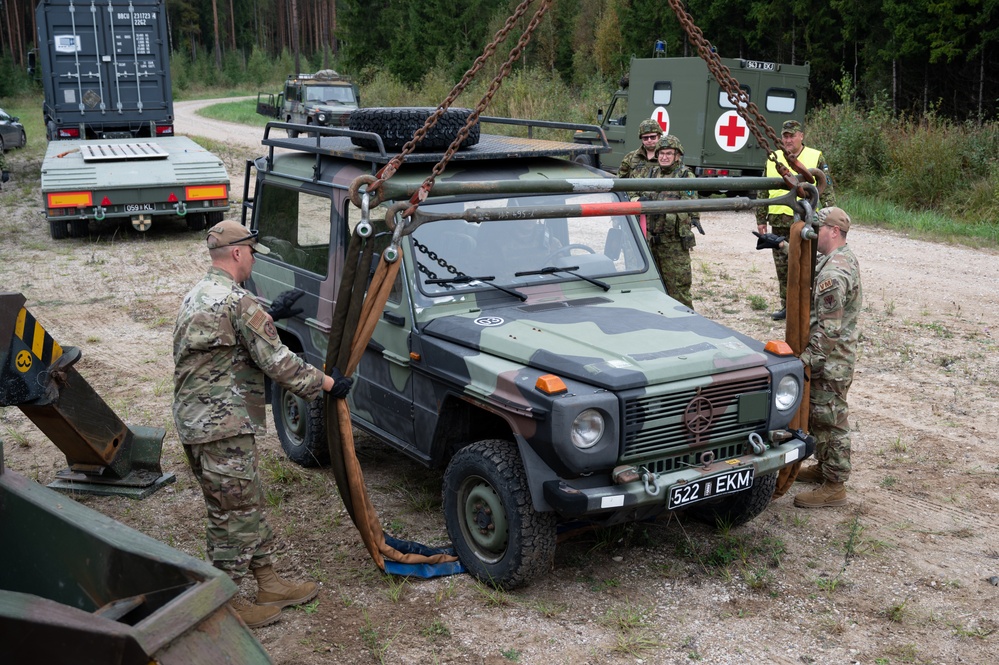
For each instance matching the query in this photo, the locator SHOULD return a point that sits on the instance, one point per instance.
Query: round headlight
(787, 392)
(587, 429)
(321, 117)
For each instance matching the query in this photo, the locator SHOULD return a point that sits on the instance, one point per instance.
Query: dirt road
(900, 575)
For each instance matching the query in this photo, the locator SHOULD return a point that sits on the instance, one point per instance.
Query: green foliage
(14, 80)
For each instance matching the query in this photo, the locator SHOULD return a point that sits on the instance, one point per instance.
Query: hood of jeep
(626, 341)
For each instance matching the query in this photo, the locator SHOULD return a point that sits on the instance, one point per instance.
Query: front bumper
(591, 496)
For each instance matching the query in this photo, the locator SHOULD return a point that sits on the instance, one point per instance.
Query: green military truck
(538, 361)
(322, 99)
(685, 99)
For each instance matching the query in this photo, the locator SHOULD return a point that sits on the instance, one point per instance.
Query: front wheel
(496, 532)
(739, 508)
(300, 427)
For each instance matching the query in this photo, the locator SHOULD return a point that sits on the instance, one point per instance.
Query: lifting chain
(745, 108)
(395, 163)
(432, 255)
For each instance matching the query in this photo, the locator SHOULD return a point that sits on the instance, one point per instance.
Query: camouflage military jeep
(539, 361)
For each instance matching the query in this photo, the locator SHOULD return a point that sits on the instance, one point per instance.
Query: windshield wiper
(485, 279)
(550, 270)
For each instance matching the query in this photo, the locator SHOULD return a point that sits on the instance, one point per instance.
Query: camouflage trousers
(238, 536)
(781, 225)
(828, 420)
(674, 266)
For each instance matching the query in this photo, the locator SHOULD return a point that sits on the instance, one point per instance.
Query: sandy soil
(900, 575)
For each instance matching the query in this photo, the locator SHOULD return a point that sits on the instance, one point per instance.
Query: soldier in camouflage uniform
(670, 236)
(641, 162)
(780, 218)
(829, 360)
(224, 344)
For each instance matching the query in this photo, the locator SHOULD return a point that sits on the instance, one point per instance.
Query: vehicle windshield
(342, 94)
(596, 247)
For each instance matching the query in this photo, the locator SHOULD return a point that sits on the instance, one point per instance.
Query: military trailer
(538, 361)
(171, 177)
(105, 69)
(686, 100)
(323, 99)
(108, 110)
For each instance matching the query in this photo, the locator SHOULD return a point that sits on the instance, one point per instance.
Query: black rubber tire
(24, 140)
(485, 488)
(585, 160)
(3, 148)
(739, 508)
(396, 126)
(213, 218)
(79, 228)
(58, 229)
(300, 427)
(195, 221)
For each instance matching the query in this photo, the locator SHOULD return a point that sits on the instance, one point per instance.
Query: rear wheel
(79, 228)
(396, 126)
(57, 229)
(195, 221)
(300, 427)
(496, 532)
(739, 508)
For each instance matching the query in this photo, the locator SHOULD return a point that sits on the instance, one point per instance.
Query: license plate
(729, 482)
(139, 207)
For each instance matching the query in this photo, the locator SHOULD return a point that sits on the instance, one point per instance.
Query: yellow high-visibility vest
(809, 157)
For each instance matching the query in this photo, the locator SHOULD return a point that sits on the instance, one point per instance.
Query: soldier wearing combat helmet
(639, 163)
(670, 236)
(224, 343)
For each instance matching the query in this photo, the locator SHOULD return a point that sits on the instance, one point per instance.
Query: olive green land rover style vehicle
(538, 361)
(325, 98)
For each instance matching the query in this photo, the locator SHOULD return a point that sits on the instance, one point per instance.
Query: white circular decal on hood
(489, 321)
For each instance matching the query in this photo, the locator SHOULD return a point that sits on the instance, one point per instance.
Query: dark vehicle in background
(325, 98)
(11, 132)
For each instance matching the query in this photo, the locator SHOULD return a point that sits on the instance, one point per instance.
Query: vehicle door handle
(394, 319)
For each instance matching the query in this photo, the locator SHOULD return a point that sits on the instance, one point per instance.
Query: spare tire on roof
(396, 126)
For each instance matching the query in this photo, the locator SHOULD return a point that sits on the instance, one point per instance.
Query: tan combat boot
(252, 615)
(274, 591)
(829, 494)
(810, 474)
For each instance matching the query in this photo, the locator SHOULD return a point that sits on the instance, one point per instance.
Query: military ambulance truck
(108, 110)
(686, 100)
(538, 361)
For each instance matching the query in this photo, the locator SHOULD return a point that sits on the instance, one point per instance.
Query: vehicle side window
(781, 100)
(724, 102)
(662, 93)
(295, 226)
(617, 114)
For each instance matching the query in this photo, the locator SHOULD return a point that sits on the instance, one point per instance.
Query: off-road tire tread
(532, 546)
(314, 451)
(396, 126)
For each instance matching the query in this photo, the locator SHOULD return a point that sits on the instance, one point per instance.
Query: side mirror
(600, 116)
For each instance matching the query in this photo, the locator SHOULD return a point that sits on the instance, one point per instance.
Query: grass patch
(927, 223)
(243, 112)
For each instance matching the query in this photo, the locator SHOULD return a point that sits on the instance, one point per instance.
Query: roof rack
(335, 142)
(321, 75)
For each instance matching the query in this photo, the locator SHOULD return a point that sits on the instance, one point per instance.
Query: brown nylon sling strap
(799, 301)
(354, 319)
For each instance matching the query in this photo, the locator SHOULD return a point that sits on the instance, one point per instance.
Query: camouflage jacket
(667, 224)
(810, 158)
(223, 345)
(836, 301)
(636, 165)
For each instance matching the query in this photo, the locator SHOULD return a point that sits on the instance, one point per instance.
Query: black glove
(341, 384)
(768, 240)
(281, 308)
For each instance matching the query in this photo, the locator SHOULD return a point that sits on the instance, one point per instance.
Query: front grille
(662, 428)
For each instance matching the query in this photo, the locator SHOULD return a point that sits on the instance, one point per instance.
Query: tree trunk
(218, 44)
(232, 27)
(294, 35)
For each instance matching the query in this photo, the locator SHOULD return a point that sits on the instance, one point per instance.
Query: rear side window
(662, 93)
(781, 100)
(724, 102)
(295, 226)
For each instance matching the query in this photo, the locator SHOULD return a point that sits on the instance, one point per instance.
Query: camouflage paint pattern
(831, 355)
(451, 365)
(636, 165)
(238, 536)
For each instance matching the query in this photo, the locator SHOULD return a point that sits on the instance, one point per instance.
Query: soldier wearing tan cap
(224, 344)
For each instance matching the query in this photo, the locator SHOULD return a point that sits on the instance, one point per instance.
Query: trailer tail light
(164, 130)
(70, 199)
(69, 132)
(715, 172)
(206, 192)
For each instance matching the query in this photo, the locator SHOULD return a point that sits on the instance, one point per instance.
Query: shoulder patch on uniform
(824, 285)
(261, 323)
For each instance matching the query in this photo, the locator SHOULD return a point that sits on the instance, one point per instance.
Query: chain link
(432, 255)
(393, 165)
(740, 98)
